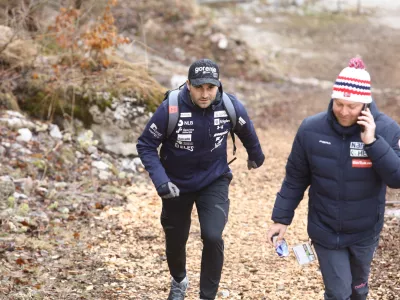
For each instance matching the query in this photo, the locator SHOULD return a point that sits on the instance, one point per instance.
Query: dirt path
(252, 270)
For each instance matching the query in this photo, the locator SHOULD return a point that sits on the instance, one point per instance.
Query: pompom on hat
(353, 83)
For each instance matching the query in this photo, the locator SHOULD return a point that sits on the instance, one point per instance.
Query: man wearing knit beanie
(348, 155)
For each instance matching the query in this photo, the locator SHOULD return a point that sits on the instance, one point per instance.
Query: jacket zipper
(342, 160)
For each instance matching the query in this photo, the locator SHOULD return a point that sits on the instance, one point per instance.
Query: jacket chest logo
(220, 114)
(357, 149)
(182, 129)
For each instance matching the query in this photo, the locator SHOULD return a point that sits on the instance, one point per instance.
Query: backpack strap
(230, 109)
(173, 111)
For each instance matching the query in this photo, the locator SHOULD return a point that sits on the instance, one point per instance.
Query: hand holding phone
(366, 120)
(366, 105)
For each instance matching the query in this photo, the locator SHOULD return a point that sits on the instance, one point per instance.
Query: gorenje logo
(205, 70)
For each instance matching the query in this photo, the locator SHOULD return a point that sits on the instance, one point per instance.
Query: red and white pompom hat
(353, 83)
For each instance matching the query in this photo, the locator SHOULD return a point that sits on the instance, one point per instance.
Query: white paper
(304, 253)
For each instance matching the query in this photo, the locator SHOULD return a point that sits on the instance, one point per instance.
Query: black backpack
(173, 114)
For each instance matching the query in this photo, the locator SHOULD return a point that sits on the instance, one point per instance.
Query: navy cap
(204, 71)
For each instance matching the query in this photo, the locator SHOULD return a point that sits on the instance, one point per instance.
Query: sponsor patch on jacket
(241, 121)
(358, 153)
(221, 121)
(154, 131)
(184, 137)
(187, 123)
(357, 145)
(361, 163)
(221, 133)
(184, 147)
(357, 149)
(220, 114)
(186, 115)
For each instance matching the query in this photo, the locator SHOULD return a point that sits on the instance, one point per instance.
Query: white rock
(92, 149)
(40, 215)
(104, 175)
(67, 137)
(122, 175)
(95, 156)
(12, 227)
(216, 37)
(55, 132)
(124, 149)
(100, 165)
(220, 39)
(63, 210)
(79, 155)
(60, 185)
(141, 109)
(40, 127)
(179, 52)
(12, 113)
(129, 165)
(19, 196)
(138, 162)
(177, 80)
(2, 150)
(223, 43)
(16, 146)
(25, 135)
(17, 123)
(224, 293)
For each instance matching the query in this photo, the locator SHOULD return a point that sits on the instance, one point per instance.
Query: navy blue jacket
(195, 154)
(347, 179)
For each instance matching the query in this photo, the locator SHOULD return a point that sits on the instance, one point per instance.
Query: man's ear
(188, 84)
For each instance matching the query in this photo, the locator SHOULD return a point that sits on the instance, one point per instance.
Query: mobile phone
(366, 105)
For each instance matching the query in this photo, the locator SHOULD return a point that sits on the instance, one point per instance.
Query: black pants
(212, 204)
(346, 271)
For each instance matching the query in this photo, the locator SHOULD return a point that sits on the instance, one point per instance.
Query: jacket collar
(351, 130)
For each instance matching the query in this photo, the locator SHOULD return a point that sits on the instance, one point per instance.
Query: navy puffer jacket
(347, 179)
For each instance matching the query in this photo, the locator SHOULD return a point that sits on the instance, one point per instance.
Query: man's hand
(168, 190)
(276, 228)
(367, 120)
(251, 165)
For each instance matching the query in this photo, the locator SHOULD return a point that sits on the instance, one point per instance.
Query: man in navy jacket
(348, 155)
(192, 168)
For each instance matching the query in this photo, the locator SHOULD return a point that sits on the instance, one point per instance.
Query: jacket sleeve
(245, 131)
(385, 156)
(152, 136)
(297, 179)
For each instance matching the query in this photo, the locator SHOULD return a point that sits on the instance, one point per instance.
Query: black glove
(251, 164)
(254, 164)
(168, 190)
